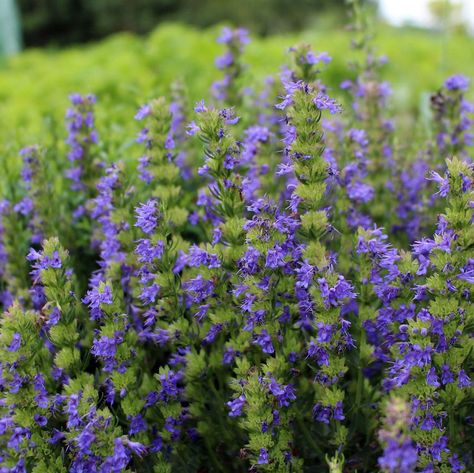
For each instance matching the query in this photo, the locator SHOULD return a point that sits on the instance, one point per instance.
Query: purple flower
(236, 406)
(198, 288)
(54, 316)
(213, 332)
(146, 216)
(337, 295)
(323, 102)
(229, 356)
(199, 257)
(104, 347)
(119, 460)
(224, 61)
(463, 379)
(360, 192)
(319, 353)
(322, 413)
(443, 183)
(56, 436)
(447, 375)
(192, 129)
(135, 447)
(275, 257)
(248, 264)
(457, 82)
(71, 410)
(284, 394)
(263, 457)
(399, 458)
(325, 332)
(323, 57)
(40, 420)
(227, 35)
(137, 425)
(169, 385)
(149, 294)
(200, 107)
(265, 341)
(338, 413)
(24, 207)
(143, 112)
(148, 252)
(432, 378)
(304, 275)
(85, 440)
(18, 435)
(97, 295)
(15, 343)
(80, 124)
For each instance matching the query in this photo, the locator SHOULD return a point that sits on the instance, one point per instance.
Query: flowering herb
(289, 291)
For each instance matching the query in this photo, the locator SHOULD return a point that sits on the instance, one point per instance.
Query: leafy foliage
(275, 283)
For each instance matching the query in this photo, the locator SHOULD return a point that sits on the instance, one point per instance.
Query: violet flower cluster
(268, 286)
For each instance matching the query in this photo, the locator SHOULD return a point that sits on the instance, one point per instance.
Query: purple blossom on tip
(143, 112)
(322, 413)
(80, 125)
(229, 116)
(346, 84)
(229, 356)
(338, 412)
(137, 425)
(241, 35)
(457, 82)
(119, 459)
(226, 35)
(304, 275)
(323, 57)
(200, 107)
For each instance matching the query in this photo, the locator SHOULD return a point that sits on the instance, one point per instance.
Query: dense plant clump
(276, 283)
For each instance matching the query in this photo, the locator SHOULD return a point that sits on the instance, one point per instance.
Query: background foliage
(125, 70)
(67, 21)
